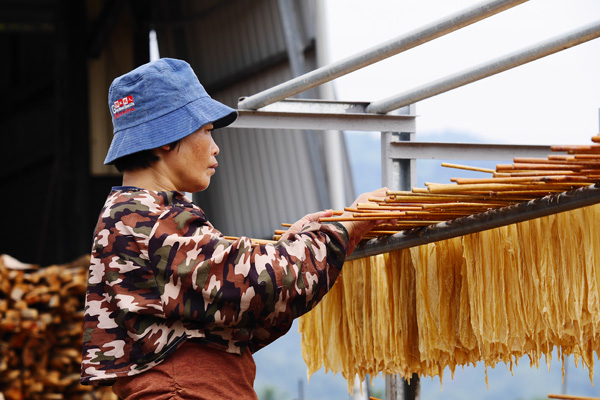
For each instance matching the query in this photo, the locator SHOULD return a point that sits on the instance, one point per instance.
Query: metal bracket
(322, 115)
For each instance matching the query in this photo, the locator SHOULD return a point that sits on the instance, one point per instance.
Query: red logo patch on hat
(123, 106)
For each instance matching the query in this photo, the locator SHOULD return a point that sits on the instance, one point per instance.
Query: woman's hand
(357, 228)
(298, 225)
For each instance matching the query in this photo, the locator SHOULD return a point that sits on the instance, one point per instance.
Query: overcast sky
(552, 100)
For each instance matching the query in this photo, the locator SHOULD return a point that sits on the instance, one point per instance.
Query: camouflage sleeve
(201, 276)
(160, 274)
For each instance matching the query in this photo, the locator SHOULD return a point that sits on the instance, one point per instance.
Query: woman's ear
(162, 150)
(159, 151)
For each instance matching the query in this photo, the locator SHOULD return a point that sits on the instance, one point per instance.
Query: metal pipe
(536, 208)
(293, 41)
(464, 151)
(332, 138)
(377, 53)
(500, 64)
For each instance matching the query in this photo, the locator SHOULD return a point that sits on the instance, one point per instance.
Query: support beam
(465, 151)
(322, 115)
(64, 222)
(293, 40)
(102, 26)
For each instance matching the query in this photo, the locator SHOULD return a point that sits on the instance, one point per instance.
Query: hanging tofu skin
(490, 297)
(439, 285)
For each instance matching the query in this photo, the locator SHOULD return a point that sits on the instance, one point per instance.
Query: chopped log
(41, 328)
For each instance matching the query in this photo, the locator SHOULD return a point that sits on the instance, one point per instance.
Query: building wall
(265, 177)
(59, 59)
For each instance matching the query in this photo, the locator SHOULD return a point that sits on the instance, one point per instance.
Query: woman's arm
(205, 277)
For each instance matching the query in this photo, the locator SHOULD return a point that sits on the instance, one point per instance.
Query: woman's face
(193, 161)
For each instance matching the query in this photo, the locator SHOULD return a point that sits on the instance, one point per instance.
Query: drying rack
(394, 117)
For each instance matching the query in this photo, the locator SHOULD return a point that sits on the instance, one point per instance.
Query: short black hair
(140, 160)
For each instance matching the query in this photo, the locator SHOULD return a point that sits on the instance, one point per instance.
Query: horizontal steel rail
(377, 53)
(319, 121)
(495, 66)
(465, 151)
(541, 207)
(322, 115)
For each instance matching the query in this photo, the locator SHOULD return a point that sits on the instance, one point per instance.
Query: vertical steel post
(333, 139)
(300, 389)
(333, 165)
(293, 41)
(394, 387)
(397, 388)
(399, 175)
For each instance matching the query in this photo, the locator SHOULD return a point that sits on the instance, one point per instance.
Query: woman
(173, 310)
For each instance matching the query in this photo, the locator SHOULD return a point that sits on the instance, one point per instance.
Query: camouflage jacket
(160, 274)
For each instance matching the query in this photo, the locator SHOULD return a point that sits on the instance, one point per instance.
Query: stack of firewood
(41, 324)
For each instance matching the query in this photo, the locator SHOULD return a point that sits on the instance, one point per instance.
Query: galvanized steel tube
(387, 49)
(500, 64)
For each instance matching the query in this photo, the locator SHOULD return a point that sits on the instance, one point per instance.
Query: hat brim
(170, 127)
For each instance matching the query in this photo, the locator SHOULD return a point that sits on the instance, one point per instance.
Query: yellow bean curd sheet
(489, 297)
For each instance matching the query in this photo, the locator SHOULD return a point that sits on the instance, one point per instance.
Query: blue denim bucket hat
(159, 103)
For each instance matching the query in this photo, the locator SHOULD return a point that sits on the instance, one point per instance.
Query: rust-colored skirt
(196, 372)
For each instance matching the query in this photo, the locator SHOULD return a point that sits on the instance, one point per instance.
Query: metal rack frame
(513, 214)
(394, 117)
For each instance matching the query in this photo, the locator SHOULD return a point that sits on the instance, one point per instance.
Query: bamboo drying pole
(534, 187)
(474, 223)
(571, 397)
